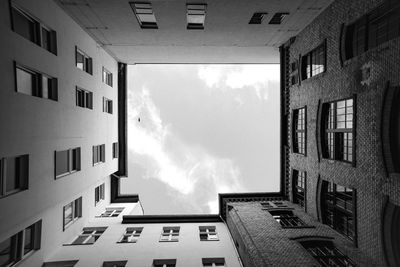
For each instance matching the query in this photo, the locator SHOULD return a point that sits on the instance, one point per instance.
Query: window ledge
(78, 244)
(168, 240)
(65, 174)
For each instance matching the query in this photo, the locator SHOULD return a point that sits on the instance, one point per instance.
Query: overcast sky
(203, 130)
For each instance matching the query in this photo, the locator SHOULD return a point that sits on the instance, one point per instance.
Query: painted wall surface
(39, 127)
(188, 251)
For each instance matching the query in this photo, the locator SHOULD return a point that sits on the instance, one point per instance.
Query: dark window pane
(23, 25)
(61, 162)
(5, 251)
(25, 81)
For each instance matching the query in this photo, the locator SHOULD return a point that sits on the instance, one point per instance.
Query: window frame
(76, 207)
(287, 219)
(135, 234)
(114, 210)
(87, 236)
(107, 77)
(115, 150)
(306, 66)
(168, 231)
(163, 262)
(213, 262)
(99, 154)
(297, 197)
(195, 10)
(144, 24)
(99, 193)
(297, 119)
(107, 105)
(207, 231)
(21, 177)
(87, 98)
(87, 65)
(70, 161)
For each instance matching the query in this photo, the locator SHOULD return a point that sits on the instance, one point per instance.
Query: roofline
(187, 218)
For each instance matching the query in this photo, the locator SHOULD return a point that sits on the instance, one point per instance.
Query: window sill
(168, 240)
(70, 223)
(78, 244)
(65, 174)
(7, 194)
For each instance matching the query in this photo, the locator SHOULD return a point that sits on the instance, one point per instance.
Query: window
(112, 212)
(20, 245)
(278, 18)
(314, 62)
(114, 263)
(258, 17)
(377, 27)
(208, 233)
(83, 61)
(286, 218)
(14, 174)
(195, 15)
(70, 263)
(273, 204)
(164, 263)
(84, 98)
(99, 193)
(337, 118)
(299, 129)
(31, 29)
(213, 262)
(131, 235)
(72, 211)
(89, 235)
(107, 105)
(170, 234)
(144, 14)
(115, 150)
(326, 253)
(299, 187)
(34, 83)
(67, 161)
(107, 77)
(337, 208)
(99, 154)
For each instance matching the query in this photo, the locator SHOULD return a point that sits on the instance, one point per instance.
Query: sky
(198, 130)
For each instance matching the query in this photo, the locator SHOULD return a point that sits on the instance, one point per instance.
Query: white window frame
(169, 233)
(106, 105)
(76, 207)
(101, 193)
(209, 231)
(133, 236)
(107, 77)
(114, 210)
(93, 233)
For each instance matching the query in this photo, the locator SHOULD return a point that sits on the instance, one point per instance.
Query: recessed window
(299, 187)
(70, 263)
(34, 83)
(337, 138)
(67, 161)
(84, 98)
(107, 105)
(107, 77)
(20, 245)
(83, 61)
(25, 25)
(286, 218)
(114, 263)
(115, 150)
(112, 212)
(208, 233)
(299, 128)
(72, 211)
(326, 253)
(314, 62)
(258, 17)
(144, 14)
(99, 154)
(99, 193)
(89, 235)
(195, 15)
(278, 18)
(170, 234)
(337, 208)
(14, 174)
(213, 262)
(131, 235)
(164, 263)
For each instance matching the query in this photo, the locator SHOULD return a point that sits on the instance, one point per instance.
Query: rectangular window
(30, 28)
(144, 14)
(20, 245)
(72, 211)
(67, 161)
(99, 193)
(278, 18)
(170, 234)
(115, 150)
(258, 17)
(314, 62)
(107, 77)
(208, 233)
(338, 136)
(114, 263)
(31, 82)
(299, 129)
(14, 174)
(99, 154)
(326, 253)
(89, 235)
(107, 105)
(112, 212)
(286, 218)
(213, 262)
(70, 263)
(164, 263)
(195, 15)
(131, 235)
(84, 98)
(299, 187)
(83, 61)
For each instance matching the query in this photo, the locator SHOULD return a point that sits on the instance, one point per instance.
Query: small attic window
(278, 18)
(258, 17)
(196, 15)
(144, 14)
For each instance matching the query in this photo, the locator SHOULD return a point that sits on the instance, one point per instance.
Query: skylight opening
(258, 17)
(196, 15)
(144, 14)
(278, 18)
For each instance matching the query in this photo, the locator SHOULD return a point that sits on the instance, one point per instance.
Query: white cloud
(189, 169)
